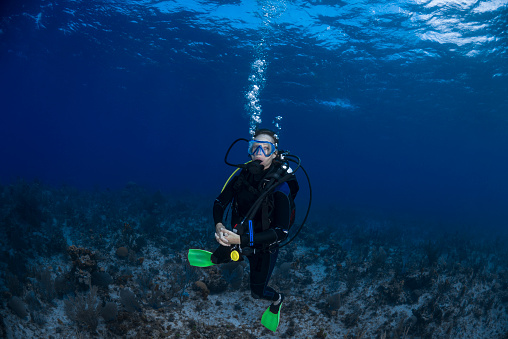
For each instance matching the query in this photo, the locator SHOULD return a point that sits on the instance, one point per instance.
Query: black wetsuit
(242, 191)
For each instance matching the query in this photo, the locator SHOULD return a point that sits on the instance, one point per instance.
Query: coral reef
(84, 310)
(113, 264)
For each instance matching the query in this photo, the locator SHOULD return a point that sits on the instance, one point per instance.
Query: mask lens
(261, 147)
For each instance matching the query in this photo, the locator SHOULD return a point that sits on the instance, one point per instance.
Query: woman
(259, 237)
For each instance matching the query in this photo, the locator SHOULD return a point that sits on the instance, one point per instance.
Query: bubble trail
(257, 78)
(257, 81)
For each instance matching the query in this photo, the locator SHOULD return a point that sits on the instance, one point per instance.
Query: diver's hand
(220, 234)
(232, 237)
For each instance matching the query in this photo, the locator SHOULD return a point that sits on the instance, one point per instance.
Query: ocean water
(115, 117)
(394, 106)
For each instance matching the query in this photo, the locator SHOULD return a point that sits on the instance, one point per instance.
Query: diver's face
(266, 161)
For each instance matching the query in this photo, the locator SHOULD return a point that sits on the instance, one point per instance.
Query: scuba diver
(261, 197)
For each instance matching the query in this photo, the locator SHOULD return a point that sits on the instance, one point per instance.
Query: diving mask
(257, 146)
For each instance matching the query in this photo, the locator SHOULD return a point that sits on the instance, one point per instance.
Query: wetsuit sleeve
(279, 228)
(223, 200)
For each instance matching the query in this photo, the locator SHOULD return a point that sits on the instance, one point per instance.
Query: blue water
(396, 107)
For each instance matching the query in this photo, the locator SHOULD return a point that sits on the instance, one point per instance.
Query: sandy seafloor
(346, 275)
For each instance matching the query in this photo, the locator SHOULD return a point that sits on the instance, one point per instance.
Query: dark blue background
(427, 139)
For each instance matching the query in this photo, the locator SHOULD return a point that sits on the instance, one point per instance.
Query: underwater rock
(201, 286)
(18, 307)
(333, 302)
(101, 279)
(122, 252)
(110, 311)
(129, 301)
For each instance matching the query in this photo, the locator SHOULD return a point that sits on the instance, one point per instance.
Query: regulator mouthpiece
(255, 167)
